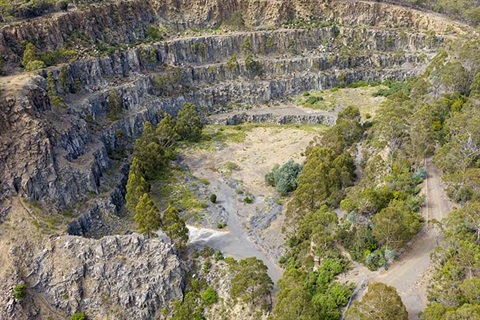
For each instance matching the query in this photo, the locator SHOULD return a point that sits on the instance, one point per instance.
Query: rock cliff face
(125, 277)
(75, 147)
(272, 118)
(115, 277)
(61, 146)
(128, 21)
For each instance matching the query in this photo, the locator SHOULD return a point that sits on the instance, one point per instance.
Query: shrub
(247, 199)
(207, 252)
(394, 88)
(213, 198)
(284, 178)
(230, 166)
(57, 56)
(253, 66)
(247, 46)
(32, 9)
(206, 266)
(232, 63)
(154, 33)
(78, 316)
(34, 65)
(235, 21)
(218, 255)
(209, 296)
(374, 260)
(313, 100)
(335, 31)
(420, 175)
(19, 291)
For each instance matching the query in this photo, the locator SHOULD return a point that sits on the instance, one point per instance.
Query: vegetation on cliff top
(152, 153)
(432, 114)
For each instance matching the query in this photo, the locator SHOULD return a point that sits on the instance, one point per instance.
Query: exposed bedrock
(128, 21)
(70, 157)
(124, 277)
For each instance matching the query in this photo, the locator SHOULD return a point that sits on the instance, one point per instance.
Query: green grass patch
(215, 136)
(204, 181)
(170, 187)
(313, 100)
(359, 94)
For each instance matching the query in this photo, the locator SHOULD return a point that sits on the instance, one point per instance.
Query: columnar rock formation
(61, 146)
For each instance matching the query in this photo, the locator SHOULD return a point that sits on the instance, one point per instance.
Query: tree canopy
(189, 124)
(175, 227)
(379, 303)
(251, 283)
(147, 216)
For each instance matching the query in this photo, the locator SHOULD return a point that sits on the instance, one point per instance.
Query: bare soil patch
(249, 157)
(233, 165)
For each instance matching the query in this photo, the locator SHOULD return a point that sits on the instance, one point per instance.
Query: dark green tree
(166, 133)
(189, 125)
(465, 312)
(114, 105)
(470, 289)
(319, 227)
(379, 303)
(463, 147)
(175, 227)
(349, 124)
(136, 185)
(390, 229)
(63, 79)
(323, 178)
(251, 283)
(147, 216)
(314, 186)
(294, 304)
(454, 78)
(29, 54)
(190, 309)
(150, 154)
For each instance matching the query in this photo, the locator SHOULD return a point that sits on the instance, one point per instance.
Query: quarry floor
(246, 161)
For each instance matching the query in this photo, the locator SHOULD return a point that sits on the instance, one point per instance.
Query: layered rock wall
(74, 152)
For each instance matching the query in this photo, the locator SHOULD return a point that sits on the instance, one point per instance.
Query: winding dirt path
(410, 274)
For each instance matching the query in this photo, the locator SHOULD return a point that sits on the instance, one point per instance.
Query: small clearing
(252, 152)
(232, 165)
(339, 98)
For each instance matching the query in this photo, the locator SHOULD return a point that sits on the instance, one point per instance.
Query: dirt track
(410, 274)
(254, 157)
